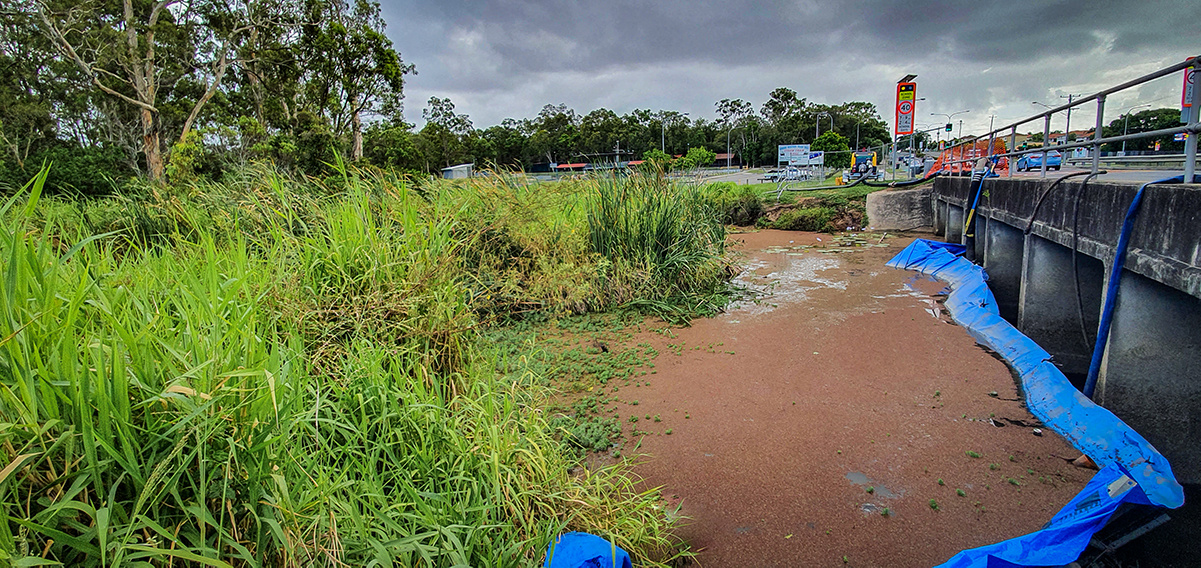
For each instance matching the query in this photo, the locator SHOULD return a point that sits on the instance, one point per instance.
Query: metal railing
(1192, 128)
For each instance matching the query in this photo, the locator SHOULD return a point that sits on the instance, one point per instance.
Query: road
(1113, 175)
(746, 177)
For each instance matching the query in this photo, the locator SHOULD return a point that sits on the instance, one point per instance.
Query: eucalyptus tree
(138, 53)
(732, 113)
(445, 132)
(351, 67)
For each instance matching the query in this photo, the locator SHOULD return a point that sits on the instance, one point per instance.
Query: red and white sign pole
(906, 108)
(1190, 104)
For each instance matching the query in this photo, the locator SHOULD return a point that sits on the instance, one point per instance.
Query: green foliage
(836, 147)
(655, 159)
(805, 219)
(1145, 121)
(184, 158)
(594, 433)
(738, 204)
(698, 157)
(76, 170)
(278, 373)
(392, 147)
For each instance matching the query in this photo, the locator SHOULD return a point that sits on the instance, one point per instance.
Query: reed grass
(277, 372)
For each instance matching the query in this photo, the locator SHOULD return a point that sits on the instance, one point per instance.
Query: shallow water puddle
(790, 275)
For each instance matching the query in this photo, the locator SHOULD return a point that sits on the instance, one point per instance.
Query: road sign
(1186, 93)
(817, 158)
(906, 99)
(790, 153)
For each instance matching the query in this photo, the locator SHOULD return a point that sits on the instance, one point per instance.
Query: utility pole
(1067, 129)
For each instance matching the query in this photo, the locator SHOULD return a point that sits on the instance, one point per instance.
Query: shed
(457, 172)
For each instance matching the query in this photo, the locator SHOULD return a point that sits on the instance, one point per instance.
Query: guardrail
(1192, 127)
(1161, 160)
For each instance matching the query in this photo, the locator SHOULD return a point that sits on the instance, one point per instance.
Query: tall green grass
(592, 244)
(666, 233)
(278, 373)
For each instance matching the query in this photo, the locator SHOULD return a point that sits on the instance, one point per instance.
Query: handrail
(1193, 127)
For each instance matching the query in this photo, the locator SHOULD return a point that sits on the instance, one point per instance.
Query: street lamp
(1127, 125)
(1067, 127)
(953, 115)
(817, 125)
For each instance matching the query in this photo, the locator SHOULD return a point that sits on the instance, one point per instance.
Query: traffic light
(947, 127)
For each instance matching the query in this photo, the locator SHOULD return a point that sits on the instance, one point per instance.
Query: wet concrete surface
(842, 376)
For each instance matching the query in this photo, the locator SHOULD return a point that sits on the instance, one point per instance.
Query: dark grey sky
(506, 58)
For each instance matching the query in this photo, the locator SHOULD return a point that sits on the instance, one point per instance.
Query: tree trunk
(152, 145)
(356, 150)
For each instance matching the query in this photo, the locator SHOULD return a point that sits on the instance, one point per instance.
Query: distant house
(1077, 135)
(460, 171)
(579, 167)
(720, 160)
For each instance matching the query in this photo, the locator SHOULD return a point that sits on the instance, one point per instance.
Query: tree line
(175, 89)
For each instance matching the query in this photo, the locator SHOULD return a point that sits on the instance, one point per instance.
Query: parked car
(1034, 161)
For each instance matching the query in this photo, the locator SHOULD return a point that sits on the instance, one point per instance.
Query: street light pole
(817, 124)
(953, 115)
(1126, 127)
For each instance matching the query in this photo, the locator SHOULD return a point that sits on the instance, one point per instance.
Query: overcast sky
(500, 59)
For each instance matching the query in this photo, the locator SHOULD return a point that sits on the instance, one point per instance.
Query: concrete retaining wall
(1151, 376)
(900, 209)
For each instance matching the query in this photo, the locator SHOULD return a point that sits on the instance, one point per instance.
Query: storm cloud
(506, 58)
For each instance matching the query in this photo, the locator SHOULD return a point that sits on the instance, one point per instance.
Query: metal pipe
(1046, 141)
(1013, 142)
(1190, 128)
(1097, 134)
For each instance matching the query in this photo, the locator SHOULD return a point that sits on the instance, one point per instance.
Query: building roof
(570, 166)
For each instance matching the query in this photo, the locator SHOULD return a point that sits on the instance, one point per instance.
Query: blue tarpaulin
(583, 550)
(1132, 470)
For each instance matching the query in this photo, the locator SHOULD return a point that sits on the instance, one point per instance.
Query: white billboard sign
(793, 153)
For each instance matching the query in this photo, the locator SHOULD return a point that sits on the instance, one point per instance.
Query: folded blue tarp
(583, 550)
(1133, 470)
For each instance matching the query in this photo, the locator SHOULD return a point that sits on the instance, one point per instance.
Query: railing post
(1190, 145)
(1097, 133)
(1046, 140)
(1013, 141)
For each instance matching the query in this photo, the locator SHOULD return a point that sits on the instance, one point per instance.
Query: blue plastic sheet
(1133, 470)
(583, 550)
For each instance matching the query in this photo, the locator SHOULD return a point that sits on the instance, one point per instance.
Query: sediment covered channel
(840, 419)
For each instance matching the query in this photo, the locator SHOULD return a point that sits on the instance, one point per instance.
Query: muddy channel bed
(822, 425)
